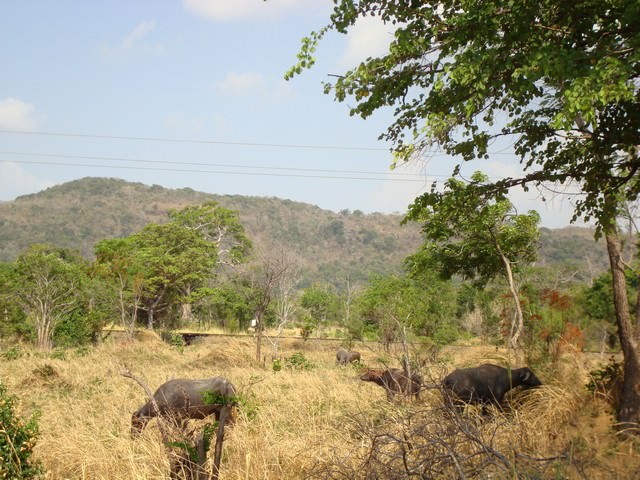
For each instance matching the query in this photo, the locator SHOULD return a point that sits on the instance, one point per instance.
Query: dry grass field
(316, 423)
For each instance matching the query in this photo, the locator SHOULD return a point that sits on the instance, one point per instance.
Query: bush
(248, 405)
(17, 441)
(174, 339)
(606, 382)
(305, 331)
(298, 361)
(12, 353)
(276, 365)
(58, 354)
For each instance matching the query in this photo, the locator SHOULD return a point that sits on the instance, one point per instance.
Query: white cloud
(18, 115)
(136, 41)
(15, 181)
(369, 37)
(242, 83)
(231, 10)
(138, 33)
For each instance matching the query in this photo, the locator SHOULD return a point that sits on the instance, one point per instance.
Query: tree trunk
(259, 314)
(518, 323)
(150, 320)
(186, 315)
(259, 339)
(629, 406)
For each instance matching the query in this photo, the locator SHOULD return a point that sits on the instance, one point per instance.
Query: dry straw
(296, 423)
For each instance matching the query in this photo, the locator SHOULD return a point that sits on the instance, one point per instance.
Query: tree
(269, 274)
(48, 285)
(478, 239)
(219, 226)
(116, 261)
(222, 228)
(422, 305)
(560, 80)
(320, 303)
(12, 318)
(285, 296)
(169, 265)
(174, 258)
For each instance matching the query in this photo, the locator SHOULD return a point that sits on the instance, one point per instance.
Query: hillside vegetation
(80, 213)
(332, 246)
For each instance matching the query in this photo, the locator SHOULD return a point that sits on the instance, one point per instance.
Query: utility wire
(199, 164)
(224, 142)
(418, 179)
(206, 142)
(221, 172)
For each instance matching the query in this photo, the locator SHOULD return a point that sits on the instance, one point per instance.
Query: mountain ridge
(332, 247)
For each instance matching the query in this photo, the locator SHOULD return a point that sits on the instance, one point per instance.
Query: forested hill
(332, 246)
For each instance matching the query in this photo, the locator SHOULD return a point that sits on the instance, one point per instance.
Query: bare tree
(285, 301)
(270, 273)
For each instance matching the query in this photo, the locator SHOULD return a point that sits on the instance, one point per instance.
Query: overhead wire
(200, 164)
(196, 141)
(215, 142)
(272, 171)
(221, 172)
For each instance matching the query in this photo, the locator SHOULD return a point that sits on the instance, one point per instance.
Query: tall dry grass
(294, 424)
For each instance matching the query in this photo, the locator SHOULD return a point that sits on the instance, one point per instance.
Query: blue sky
(191, 94)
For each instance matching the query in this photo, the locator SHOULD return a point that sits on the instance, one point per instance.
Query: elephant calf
(182, 399)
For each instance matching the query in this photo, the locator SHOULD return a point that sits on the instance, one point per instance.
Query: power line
(422, 180)
(225, 142)
(267, 171)
(206, 142)
(200, 164)
(219, 172)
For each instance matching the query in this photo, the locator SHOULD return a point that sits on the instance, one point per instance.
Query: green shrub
(276, 365)
(58, 354)
(12, 353)
(248, 405)
(17, 440)
(298, 361)
(305, 331)
(82, 351)
(79, 328)
(174, 339)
